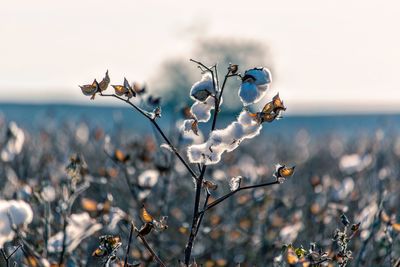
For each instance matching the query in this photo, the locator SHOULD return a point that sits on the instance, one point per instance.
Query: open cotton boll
(248, 93)
(188, 138)
(213, 157)
(201, 111)
(235, 131)
(202, 89)
(196, 153)
(260, 76)
(186, 125)
(80, 226)
(245, 119)
(148, 178)
(251, 131)
(21, 214)
(14, 143)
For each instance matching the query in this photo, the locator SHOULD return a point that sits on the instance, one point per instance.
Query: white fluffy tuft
(203, 88)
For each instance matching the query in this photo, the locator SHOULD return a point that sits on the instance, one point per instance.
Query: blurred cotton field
(120, 169)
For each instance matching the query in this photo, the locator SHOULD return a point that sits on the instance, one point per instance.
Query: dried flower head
(125, 89)
(282, 172)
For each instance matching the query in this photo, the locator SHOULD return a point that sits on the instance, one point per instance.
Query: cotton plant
(15, 139)
(13, 212)
(203, 149)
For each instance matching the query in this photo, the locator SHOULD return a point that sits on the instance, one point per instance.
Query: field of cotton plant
(200, 191)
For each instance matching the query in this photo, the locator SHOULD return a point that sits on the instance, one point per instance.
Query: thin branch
(126, 175)
(154, 122)
(221, 199)
(129, 244)
(202, 214)
(218, 101)
(7, 258)
(146, 244)
(64, 241)
(201, 64)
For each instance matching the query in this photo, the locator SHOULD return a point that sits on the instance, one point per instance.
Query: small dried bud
(344, 220)
(233, 68)
(210, 185)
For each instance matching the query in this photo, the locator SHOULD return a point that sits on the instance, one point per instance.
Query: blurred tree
(178, 74)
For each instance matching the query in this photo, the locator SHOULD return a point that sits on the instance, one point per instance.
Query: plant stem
(202, 214)
(146, 244)
(220, 199)
(129, 245)
(64, 240)
(218, 101)
(196, 222)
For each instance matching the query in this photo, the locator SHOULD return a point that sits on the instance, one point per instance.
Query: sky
(329, 56)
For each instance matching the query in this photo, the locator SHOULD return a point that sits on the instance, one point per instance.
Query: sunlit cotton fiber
(19, 212)
(203, 88)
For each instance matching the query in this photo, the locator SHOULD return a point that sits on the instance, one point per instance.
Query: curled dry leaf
(125, 89)
(120, 156)
(210, 185)
(282, 172)
(271, 111)
(145, 216)
(108, 246)
(194, 127)
(146, 229)
(161, 224)
(233, 68)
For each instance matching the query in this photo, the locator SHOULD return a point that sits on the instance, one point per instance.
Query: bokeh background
(334, 63)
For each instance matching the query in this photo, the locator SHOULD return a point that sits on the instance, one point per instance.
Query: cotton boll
(233, 145)
(21, 214)
(196, 153)
(245, 119)
(186, 125)
(201, 111)
(235, 131)
(251, 131)
(189, 138)
(260, 76)
(248, 93)
(202, 89)
(220, 137)
(14, 143)
(148, 178)
(213, 157)
(80, 226)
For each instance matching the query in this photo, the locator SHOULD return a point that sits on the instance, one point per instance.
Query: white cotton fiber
(251, 131)
(245, 119)
(201, 111)
(261, 76)
(196, 153)
(203, 88)
(21, 214)
(248, 93)
(186, 125)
